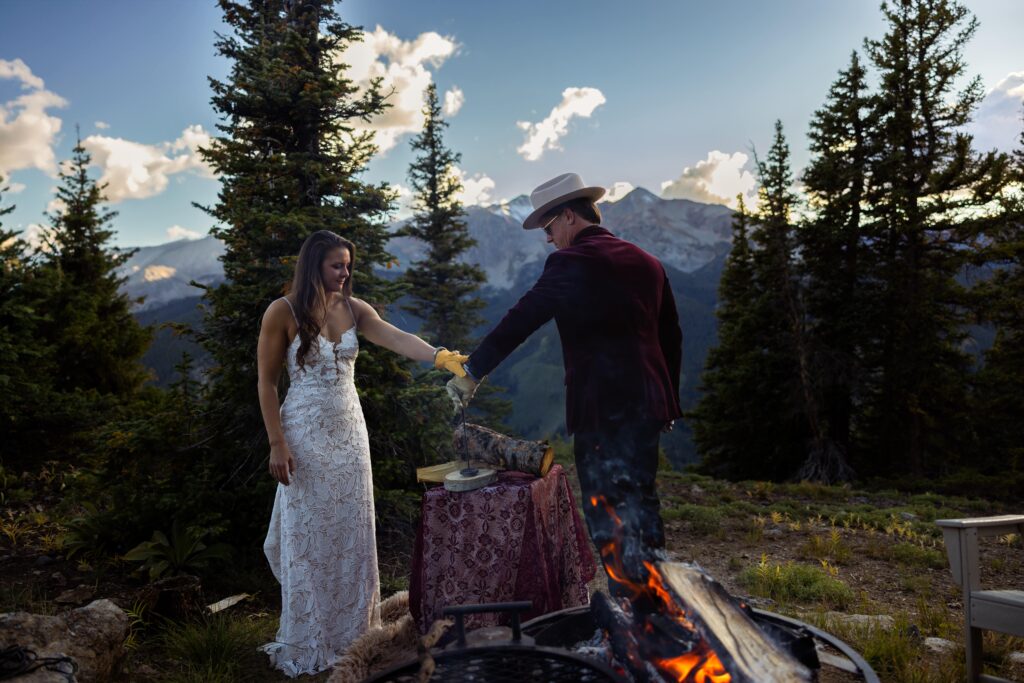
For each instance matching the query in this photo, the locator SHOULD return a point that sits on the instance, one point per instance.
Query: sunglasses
(547, 226)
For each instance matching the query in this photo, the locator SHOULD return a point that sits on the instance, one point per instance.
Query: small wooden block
(437, 473)
(456, 481)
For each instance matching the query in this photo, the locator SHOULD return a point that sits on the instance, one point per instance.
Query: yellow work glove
(461, 390)
(450, 360)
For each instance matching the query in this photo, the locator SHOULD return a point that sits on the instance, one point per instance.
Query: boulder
(93, 636)
(865, 621)
(940, 646)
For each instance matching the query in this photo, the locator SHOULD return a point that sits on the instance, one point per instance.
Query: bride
(321, 544)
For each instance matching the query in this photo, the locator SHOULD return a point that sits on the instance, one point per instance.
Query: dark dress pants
(617, 465)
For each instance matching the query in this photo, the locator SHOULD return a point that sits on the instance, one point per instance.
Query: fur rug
(396, 641)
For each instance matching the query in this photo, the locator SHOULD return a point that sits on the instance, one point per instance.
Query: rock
(908, 516)
(176, 597)
(58, 578)
(42, 561)
(93, 636)
(76, 596)
(1016, 658)
(774, 531)
(696, 490)
(867, 621)
(940, 646)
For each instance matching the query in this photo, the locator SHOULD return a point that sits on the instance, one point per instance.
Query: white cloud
(15, 188)
(37, 236)
(1000, 116)
(101, 125)
(134, 170)
(545, 134)
(405, 201)
(476, 189)
(403, 67)
(56, 205)
(27, 129)
(176, 232)
(453, 101)
(617, 191)
(157, 272)
(19, 70)
(715, 180)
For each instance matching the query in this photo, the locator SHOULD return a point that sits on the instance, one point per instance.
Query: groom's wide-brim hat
(558, 190)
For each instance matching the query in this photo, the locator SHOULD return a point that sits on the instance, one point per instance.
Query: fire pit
(560, 647)
(811, 646)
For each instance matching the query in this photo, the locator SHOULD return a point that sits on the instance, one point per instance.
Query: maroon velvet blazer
(617, 319)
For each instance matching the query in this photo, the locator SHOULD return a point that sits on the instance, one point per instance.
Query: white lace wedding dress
(321, 543)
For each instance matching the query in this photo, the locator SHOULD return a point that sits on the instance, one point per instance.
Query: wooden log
(745, 651)
(622, 638)
(502, 452)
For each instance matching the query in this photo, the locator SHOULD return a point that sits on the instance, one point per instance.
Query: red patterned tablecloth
(519, 539)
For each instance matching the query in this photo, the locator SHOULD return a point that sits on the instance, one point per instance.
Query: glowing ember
(700, 664)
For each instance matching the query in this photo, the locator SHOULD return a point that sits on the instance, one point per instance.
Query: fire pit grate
(509, 662)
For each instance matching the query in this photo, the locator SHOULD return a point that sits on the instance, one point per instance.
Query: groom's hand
(451, 361)
(461, 390)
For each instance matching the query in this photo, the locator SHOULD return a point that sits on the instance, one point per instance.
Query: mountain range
(691, 240)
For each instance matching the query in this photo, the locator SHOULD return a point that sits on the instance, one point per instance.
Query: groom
(622, 349)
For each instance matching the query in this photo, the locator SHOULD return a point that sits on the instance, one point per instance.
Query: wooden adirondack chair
(984, 610)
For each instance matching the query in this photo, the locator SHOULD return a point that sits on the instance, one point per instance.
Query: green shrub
(703, 520)
(796, 583)
(917, 556)
(218, 648)
(183, 552)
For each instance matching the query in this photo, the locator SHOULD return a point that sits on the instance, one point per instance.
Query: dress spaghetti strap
(291, 308)
(352, 313)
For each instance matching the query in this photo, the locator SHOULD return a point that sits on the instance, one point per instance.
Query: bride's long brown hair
(307, 287)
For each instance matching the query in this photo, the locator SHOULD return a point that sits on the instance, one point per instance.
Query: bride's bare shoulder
(278, 315)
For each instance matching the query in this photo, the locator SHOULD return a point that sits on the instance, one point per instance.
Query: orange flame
(701, 665)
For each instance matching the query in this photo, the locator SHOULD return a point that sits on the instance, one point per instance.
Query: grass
(829, 547)
(797, 583)
(217, 649)
(703, 520)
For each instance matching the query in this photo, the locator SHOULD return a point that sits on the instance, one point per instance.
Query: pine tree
(97, 342)
(725, 422)
(924, 179)
(786, 349)
(289, 160)
(751, 421)
(999, 386)
(442, 286)
(24, 368)
(830, 245)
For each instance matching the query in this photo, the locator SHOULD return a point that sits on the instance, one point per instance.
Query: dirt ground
(884, 546)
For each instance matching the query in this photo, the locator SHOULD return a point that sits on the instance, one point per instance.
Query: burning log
(503, 452)
(740, 645)
(621, 637)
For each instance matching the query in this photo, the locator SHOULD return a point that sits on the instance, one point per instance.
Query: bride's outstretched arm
(383, 333)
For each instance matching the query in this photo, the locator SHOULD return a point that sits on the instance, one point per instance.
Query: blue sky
(670, 95)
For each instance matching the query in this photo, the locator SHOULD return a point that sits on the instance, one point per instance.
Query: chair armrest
(986, 526)
(961, 537)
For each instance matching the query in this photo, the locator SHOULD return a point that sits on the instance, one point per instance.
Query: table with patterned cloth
(520, 538)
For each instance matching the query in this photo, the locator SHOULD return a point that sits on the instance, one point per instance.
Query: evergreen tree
(24, 368)
(830, 246)
(289, 160)
(97, 342)
(999, 386)
(725, 422)
(923, 180)
(442, 286)
(786, 352)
